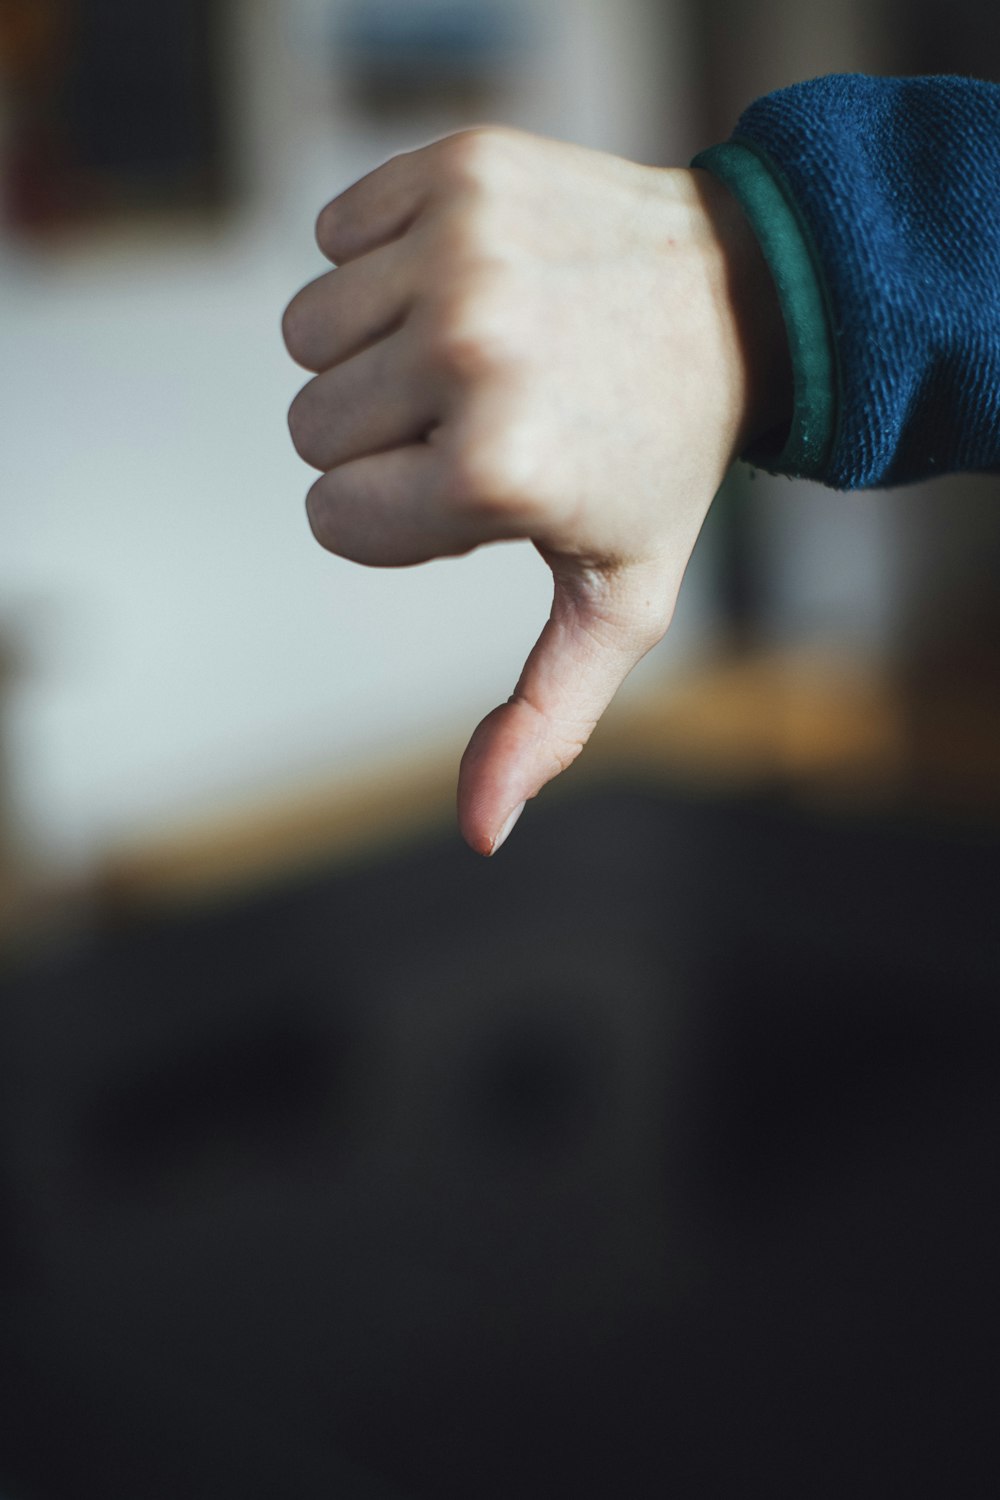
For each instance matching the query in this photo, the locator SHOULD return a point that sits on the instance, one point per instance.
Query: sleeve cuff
(787, 247)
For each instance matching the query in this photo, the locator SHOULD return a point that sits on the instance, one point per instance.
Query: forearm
(876, 205)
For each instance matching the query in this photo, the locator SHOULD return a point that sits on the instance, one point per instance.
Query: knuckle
(302, 425)
(478, 156)
(459, 241)
(474, 237)
(320, 513)
(324, 226)
(295, 331)
(328, 236)
(477, 481)
(489, 481)
(472, 335)
(467, 353)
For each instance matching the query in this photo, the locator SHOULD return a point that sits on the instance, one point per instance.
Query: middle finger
(345, 310)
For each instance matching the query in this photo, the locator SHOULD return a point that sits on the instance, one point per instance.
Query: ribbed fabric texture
(897, 181)
(805, 446)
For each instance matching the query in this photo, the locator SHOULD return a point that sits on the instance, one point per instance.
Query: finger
(380, 399)
(377, 209)
(390, 510)
(598, 629)
(343, 311)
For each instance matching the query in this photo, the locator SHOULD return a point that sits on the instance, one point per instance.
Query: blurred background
(662, 1152)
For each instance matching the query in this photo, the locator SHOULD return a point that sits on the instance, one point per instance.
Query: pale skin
(528, 339)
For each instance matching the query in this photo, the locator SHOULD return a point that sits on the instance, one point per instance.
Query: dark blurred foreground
(660, 1156)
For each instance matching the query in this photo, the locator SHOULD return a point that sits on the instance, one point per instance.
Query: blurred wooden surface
(819, 721)
(821, 727)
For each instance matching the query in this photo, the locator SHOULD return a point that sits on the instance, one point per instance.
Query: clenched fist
(523, 338)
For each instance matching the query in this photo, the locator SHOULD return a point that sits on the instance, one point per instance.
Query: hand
(523, 338)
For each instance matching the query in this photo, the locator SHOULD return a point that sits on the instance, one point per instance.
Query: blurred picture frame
(111, 109)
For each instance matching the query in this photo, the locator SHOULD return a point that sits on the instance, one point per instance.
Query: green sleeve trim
(787, 246)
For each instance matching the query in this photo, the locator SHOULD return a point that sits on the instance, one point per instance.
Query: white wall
(187, 644)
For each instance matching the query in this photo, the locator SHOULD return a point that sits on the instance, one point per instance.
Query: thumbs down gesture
(522, 338)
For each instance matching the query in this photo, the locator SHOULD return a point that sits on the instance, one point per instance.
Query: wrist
(751, 300)
(772, 213)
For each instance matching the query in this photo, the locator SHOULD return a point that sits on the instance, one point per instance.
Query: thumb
(603, 621)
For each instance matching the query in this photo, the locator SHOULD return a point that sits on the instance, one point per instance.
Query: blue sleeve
(877, 204)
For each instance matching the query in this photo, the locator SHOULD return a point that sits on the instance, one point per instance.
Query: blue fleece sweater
(877, 204)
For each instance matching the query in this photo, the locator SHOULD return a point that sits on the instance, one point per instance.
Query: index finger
(373, 211)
